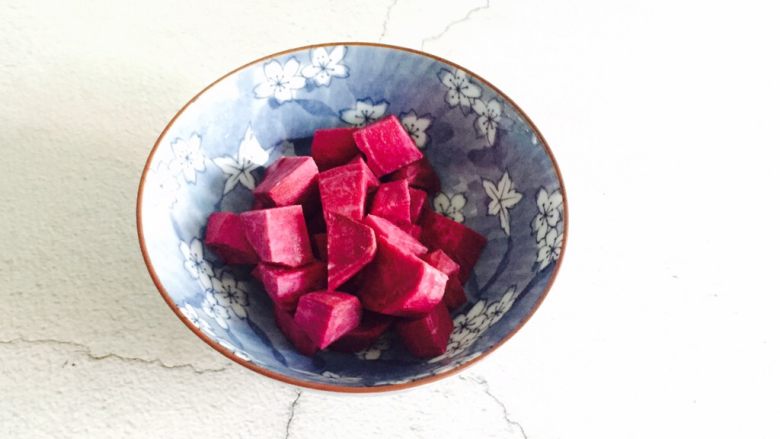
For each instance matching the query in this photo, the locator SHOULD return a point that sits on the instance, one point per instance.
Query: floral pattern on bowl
(498, 177)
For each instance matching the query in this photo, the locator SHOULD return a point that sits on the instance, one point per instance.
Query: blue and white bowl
(498, 177)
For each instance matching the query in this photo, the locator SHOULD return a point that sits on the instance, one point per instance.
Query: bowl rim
(331, 387)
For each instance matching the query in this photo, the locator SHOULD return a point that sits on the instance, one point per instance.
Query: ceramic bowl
(498, 177)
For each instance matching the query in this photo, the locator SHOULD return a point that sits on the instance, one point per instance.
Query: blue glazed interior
(190, 170)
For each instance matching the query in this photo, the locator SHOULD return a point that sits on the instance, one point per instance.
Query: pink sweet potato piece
(225, 237)
(290, 180)
(400, 284)
(427, 336)
(419, 174)
(327, 315)
(285, 285)
(392, 202)
(373, 181)
(417, 200)
(387, 146)
(460, 243)
(278, 235)
(320, 245)
(351, 246)
(394, 234)
(454, 294)
(343, 190)
(293, 332)
(372, 325)
(333, 147)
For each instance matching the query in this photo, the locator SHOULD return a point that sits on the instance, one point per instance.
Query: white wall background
(663, 321)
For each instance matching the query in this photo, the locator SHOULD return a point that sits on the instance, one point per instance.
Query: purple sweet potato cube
(333, 147)
(372, 325)
(419, 174)
(351, 246)
(278, 235)
(399, 283)
(392, 202)
(320, 245)
(343, 190)
(373, 181)
(225, 237)
(427, 336)
(327, 315)
(460, 243)
(454, 295)
(290, 180)
(395, 235)
(294, 333)
(387, 146)
(417, 200)
(285, 285)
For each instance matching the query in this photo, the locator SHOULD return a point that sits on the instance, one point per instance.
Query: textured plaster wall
(662, 323)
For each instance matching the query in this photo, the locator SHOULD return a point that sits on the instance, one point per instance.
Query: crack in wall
(486, 388)
(84, 349)
(387, 18)
(449, 26)
(292, 414)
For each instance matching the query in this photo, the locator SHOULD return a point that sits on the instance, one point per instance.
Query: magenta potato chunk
(461, 243)
(320, 245)
(327, 315)
(372, 325)
(395, 235)
(392, 202)
(333, 147)
(373, 181)
(427, 336)
(417, 200)
(344, 189)
(351, 246)
(225, 237)
(290, 180)
(387, 146)
(399, 283)
(454, 294)
(440, 261)
(419, 174)
(278, 235)
(294, 333)
(285, 285)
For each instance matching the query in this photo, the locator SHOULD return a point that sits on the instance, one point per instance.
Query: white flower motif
(213, 309)
(239, 168)
(550, 249)
(489, 115)
(325, 65)
(476, 319)
(198, 267)
(502, 198)
(194, 318)
(188, 158)
(451, 207)
(365, 112)
(165, 185)
(280, 82)
(231, 294)
(336, 377)
(550, 208)
(461, 91)
(375, 351)
(416, 127)
(497, 309)
(236, 351)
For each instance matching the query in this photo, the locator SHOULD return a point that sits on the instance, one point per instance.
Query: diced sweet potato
(392, 202)
(343, 190)
(351, 246)
(285, 285)
(417, 200)
(278, 235)
(315, 221)
(373, 181)
(291, 330)
(260, 204)
(327, 315)
(372, 325)
(290, 180)
(333, 147)
(419, 174)
(454, 294)
(386, 145)
(427, 336)
(400, 284)
(415, 231)
(395, 235)
(460, 243)
(320, 245)
(225, 237)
